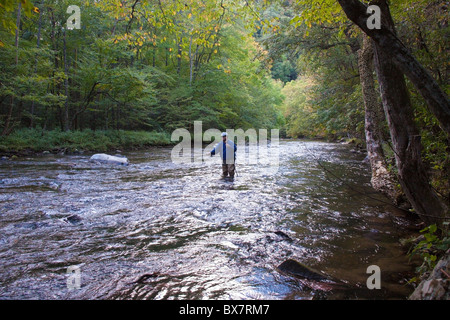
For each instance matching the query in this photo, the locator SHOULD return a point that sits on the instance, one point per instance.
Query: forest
(142, 65)
(100, 75)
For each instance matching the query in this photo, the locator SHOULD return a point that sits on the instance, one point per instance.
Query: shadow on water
(159, 230)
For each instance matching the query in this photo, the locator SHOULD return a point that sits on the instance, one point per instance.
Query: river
(193, 234)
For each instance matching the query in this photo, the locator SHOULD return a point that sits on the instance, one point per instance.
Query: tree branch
(386, 39)
(133, 7)
(88, 100)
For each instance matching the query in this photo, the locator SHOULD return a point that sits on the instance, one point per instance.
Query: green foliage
(326, 101)
(38, 140)
(434, 244)
(301, 118)
(284, 70)
(142, 65)
(8, 22)
(424, 28)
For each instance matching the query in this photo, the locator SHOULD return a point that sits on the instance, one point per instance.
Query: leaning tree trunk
(387, 41)
(405, 135)
(382, 179)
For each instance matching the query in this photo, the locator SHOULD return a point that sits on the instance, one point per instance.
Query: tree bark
(36, 65)
(382, 180)
(66, 86)
(19, 13)
(191, 62)
(387, 41)
(7, 130)
(179, 52)
(404, 134)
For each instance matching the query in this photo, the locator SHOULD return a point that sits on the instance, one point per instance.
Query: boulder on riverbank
(105, 158)
(437, 285)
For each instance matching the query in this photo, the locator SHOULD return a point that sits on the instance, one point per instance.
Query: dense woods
(311, 69)
(135, 65)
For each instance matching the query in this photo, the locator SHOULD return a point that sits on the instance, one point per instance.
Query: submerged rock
(311, 278)
(53, 185)
(143, 279)
(105, 158)
(73, 219)
(296, 269)
(283, 235)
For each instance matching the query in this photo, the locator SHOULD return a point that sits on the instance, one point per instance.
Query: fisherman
(227, 150)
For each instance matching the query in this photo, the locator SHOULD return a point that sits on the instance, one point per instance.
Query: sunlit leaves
(8, 20)
(318, 12)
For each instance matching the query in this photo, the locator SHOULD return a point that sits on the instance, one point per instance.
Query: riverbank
(32, 141)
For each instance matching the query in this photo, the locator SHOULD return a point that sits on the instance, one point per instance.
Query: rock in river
(105, 158)
(73, 219)
(299, 270)
(309, 277)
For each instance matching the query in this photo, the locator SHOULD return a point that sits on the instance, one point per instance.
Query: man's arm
(213, 151)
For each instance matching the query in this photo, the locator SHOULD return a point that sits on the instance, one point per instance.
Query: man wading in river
(227, 150)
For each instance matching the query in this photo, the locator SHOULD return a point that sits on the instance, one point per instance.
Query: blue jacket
(227, 151)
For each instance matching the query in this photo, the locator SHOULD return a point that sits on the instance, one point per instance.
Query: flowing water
(193, 235)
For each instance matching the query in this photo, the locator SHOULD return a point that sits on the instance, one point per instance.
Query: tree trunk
(387, 41)
(66, 86)
(382, 180)
(404, 134)
(179, 56)
(167, 57)
(19, 13)
(191, 62)
(36, 65)
(6, 130)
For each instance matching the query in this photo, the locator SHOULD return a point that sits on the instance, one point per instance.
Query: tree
(382, 179)
(392, 60)
(386, 39)
(404, 133)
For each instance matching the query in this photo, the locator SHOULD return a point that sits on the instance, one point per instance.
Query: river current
(160, 230)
